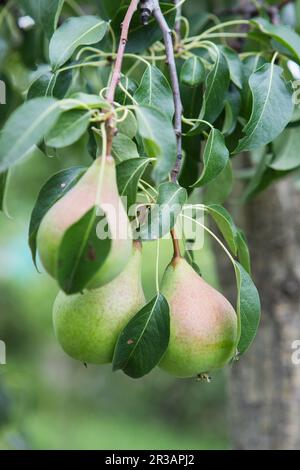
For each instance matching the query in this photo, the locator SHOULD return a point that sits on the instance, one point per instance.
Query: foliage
(240, 75)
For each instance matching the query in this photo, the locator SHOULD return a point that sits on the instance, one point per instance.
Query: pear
(203, 324)
(88, 325)
(96, 187)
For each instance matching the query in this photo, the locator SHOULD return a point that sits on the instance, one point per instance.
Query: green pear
(88, 325)
(97, 187)
(203, 324)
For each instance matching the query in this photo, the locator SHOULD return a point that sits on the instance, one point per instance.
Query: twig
(116, 76)
(178, 20)
(167, 35)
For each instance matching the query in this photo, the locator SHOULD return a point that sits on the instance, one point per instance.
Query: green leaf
(250, 65)
(109, 8)
(3, 187)
(70, 126)
(154, 90)
(262, 177)
(128, 127)
(270, 93)
(189, 256)
(44, 12)
(159, 140)
(90, 100)
(217, 84)
(215, 158)
(142, 37)
(53, 190)
(144, 340)
(129, 173)
(232, 112)
(81, 253)
(284, 35)
(225, 224)
(25, 128)
(192, 72)
(235, 65)
(130, 86)
(248, 308)
(243, 251)
(51, 84)
(123, 148)
(162, 218)
(286, 150)
(75, 32)
(218, 190)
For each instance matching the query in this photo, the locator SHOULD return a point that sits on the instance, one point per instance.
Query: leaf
(70, 126)
(232, 112)
(159, 140)
(109, 8)
(25, 128)
(81, 253)
(250, 65)
(145, 339)
(218, 190)
(282, 34)
(162, 218)
(3, 187)
(235, 65)
(286, 150)
(90, 100)
(53, 190)
(225, 224)
(123, 148)
(154, 90)
(262, 177)
(217, 84)
(44, 12)
(75, 32)
(129, 173)
(248, 308)
(130, 86)
(51, 84)
(243, 251)
(190, 258)
(192, 72)
(141, 37)
(128, 127)
(270, 93)
(215, 158)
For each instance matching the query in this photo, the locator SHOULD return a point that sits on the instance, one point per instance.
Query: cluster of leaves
(234, 102)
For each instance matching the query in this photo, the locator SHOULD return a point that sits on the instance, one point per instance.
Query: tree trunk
(264, 386)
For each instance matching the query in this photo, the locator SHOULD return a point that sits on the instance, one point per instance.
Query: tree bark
(264, 386)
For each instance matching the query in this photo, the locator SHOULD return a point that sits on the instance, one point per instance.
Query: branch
(110, 96)
(178, 22)
(167, 35)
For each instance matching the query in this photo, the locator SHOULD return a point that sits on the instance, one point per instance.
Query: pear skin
(203, 323)
(73, 206)
(88, 325)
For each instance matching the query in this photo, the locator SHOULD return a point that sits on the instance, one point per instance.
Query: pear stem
(176, 247)
(116, 75)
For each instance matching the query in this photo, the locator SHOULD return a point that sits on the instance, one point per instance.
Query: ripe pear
(203, 324)
(88, 325)
(97, 187)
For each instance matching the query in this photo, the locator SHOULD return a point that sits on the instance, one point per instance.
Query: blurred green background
(48, 400)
